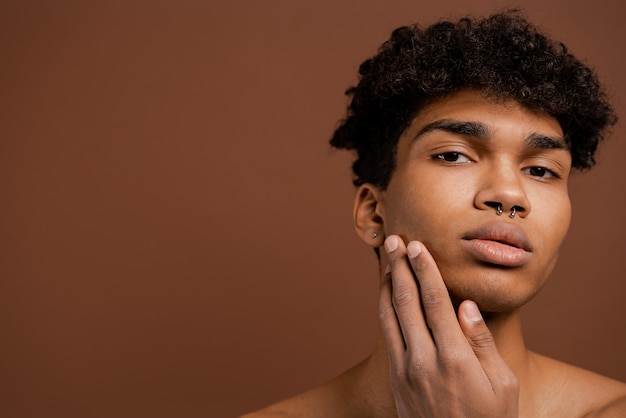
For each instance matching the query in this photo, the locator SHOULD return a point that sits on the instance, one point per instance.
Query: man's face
(463, 157)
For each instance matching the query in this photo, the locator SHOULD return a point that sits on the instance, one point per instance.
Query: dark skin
(443, 364)
(443, 360)
(446, 255)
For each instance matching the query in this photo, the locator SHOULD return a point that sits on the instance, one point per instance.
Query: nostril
(494, 205)
(514, 210)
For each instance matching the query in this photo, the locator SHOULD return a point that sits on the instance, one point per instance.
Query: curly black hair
(502, 55)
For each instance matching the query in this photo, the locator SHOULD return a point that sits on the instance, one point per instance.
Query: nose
(502, 190)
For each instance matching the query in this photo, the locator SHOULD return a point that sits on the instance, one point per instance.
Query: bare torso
(552, 389)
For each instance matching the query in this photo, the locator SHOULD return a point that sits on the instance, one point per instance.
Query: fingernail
(472, 312)
(413, 249)
(391, 244)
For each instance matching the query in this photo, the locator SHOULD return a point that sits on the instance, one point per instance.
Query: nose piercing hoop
(499, 210)
(512, 214)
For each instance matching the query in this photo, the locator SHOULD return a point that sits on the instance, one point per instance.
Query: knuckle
(509, 382)
(482, 338)
(404, 296)
(432, 298)
(399, 371)
(386, 313)
(421, 363)
(451, 358)
(418, 370)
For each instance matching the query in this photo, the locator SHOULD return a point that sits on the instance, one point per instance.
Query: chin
(495, 292)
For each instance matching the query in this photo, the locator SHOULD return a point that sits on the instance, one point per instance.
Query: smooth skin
(459, 160)
(447, 256)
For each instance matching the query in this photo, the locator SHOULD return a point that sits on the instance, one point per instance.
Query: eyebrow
(480, 131)
(535, 140)
(475, 129)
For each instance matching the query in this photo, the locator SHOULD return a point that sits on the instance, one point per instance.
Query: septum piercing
(511, 215)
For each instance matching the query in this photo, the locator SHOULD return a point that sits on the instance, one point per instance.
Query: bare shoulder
(607, 397)
(291, 407)
(584, 393)
(340, 398)
(317, 402)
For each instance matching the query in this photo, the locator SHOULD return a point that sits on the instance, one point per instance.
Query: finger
(435, 298)
(481, 340)
(405, 296)
(389, 321)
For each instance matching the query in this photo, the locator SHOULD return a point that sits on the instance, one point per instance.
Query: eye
(452, 157)
(540, 172)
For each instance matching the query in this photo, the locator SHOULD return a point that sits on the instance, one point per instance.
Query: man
(465, 135)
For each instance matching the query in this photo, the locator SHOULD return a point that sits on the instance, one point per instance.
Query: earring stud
(374, 234)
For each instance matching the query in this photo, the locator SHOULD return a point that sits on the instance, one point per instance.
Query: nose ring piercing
(511, 215)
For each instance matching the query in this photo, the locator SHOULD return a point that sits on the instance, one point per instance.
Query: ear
(368, 215)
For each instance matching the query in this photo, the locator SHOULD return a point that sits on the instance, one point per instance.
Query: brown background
(176, 234)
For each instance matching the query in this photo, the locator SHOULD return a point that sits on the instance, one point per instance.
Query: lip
(500, 243)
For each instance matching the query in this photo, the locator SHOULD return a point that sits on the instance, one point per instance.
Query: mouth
(499, 244)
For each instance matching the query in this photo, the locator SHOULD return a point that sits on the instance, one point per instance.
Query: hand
(440, 366)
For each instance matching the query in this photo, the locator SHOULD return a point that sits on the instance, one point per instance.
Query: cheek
(557, 224)
(427, 209)
(552, 223)
(415, 217)
(406, 217)
(557, 221)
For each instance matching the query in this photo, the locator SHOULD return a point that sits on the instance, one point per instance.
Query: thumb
(481, 340)
(478, 335)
